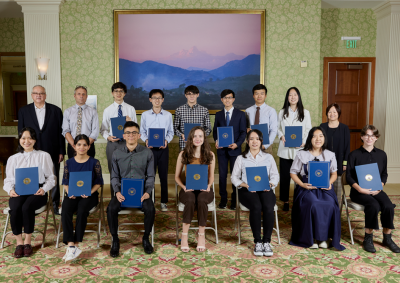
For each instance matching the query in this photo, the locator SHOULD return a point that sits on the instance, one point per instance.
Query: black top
(339, 143)
(91, 164)
(361, 156)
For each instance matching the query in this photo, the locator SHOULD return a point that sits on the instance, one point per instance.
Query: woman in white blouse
(291, 114)
(22, 208)
(260, 201)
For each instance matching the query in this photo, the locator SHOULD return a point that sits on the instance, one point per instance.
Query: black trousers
(22, 212)
(81, 206)
(374, 204)
(55, 192)
(259, 202)
(161, 159)
(284, 171)
(71, 151)
(223, 159)
(115, 206)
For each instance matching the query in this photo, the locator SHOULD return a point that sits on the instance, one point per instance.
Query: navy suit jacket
(238, 122)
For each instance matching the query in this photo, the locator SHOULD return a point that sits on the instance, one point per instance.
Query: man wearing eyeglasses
(80, 119)
(46, 119)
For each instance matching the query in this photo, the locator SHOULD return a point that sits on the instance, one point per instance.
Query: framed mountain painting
(172, 49)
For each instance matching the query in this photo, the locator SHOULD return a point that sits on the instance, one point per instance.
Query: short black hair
(33, 136)
(156, 90)
(259, 87)
(192, 88)
(119, 85)
(131, 124)
(225, 92)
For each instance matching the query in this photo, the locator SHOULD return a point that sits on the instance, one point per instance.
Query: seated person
(315, 214)
(260, 201)
(81, 204)
(196, 151)
(133, 161)
(373, 201)
(22, 208)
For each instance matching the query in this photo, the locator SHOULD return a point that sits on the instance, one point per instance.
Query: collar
(84, 106)
(152, 111)
(259, 154)
(364, 150)
(37, 108)
(194, 106)
(138, 148)
(261, 107)
(116, 104)
(28, 153)
(230, 111)
(290, 109)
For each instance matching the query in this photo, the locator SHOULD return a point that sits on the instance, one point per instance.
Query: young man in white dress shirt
(261, 113)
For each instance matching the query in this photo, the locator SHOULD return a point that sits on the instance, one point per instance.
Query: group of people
(315, 211)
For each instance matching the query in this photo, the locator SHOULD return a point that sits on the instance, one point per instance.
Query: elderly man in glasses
(80, 119)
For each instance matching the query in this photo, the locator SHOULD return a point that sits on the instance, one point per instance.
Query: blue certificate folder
(293, 136)
(80, 183)
(117, 126)
(368, 177)
(264, 130)
(225, 136)
(156, 137)
(319, 173)
(196, 177)
(257, 178)
(26, 181)
(132, 190)
(188, 127)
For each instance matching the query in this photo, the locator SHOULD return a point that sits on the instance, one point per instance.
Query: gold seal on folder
(257, 178)
(120, 127)
(79, 183)
(196, 176)
(293, 136)
(27, 181)
(131, 192)
(318, 173)
(156, 136)
(368, 177)
(225, 136)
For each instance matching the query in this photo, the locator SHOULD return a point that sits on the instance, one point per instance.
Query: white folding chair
(98, 208)
(45, 208)
(211, 208)
(135, 211)
(241, 207)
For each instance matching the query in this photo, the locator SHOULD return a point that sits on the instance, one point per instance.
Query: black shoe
(388, 242)
(114, 252)
(368, 243)
(286, 206)
(148, 248)
(56, 210)
(233, 205)
(222, 204)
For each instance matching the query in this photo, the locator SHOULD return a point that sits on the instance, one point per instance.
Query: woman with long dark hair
(260, 201)
(196, 151)
(291, 114)
(22, 207)
(315, 214)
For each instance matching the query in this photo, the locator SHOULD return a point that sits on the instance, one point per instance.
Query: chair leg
(5, 231)
(98, 230)
(45, 223)
(215, 226)
(177, 224)
(152, 236)
(277, 227)
(349, 222)
(239, 229)
(58, 234)
(104, 219)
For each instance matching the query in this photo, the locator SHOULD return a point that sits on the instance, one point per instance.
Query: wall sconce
(42, 65)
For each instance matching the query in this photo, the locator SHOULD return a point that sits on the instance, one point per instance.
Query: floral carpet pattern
(225, 262)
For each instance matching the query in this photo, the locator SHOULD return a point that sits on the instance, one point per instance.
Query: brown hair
(372, 128)
(337, 107)
(205, 152)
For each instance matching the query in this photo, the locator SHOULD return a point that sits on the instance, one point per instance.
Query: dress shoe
(114, 252)
(222, 204)
(19, 251)
(286, 206)
(233, 205)
(368, 243)
(148, 248)
(388, 242)
(56, 210)
(28, 251)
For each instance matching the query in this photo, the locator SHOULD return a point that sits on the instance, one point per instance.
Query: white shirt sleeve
(9, 182)
(236, 176)
(307, 125)
(105, 125)
(273, 126)
(280, 130)
(273, 173)
(143, 128)
(48, 171)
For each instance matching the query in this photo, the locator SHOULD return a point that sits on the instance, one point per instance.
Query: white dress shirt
(153, 120)
(90, 121)
(303, 157)
(40, 114)
(290, 152)
(230, 114)
(267, 115)
(112, 112)
(35, 158)
(238, 175)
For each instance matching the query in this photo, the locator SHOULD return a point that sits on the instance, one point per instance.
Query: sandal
(200, 247)
(185, 249)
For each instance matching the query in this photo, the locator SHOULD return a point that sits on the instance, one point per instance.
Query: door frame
(371, 78)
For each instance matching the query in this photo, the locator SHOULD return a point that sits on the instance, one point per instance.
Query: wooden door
(348, 87)
(20, 100)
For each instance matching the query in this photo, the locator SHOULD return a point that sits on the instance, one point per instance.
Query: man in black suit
(46, 119)
(235, 118)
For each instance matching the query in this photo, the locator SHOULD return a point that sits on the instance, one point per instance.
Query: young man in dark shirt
(374, 201)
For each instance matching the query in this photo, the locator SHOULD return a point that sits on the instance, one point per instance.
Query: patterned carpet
(225, 262)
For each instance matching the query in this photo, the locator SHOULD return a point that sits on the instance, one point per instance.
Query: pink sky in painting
(156, 37)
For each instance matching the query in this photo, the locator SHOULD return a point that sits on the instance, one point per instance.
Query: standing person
(260, 201)
(261, 113)
(338, 135)
(22, 208)
(80, 119)
(291, 114)
(191, 112)
(80, 204)
(46, 119)
(133, 161)
(197, 151)
(159, 118)
(373, 201)
(229, 116)
(118, 109)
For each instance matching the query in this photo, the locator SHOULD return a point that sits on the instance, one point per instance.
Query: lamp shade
(42, 65)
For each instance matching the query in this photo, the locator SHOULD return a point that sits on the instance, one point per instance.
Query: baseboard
(393, 173)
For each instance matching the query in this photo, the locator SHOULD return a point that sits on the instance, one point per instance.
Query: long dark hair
(260, 137)
(308, 145)
(206, 156)
(300, 107)
(81, 137)
(32, 132)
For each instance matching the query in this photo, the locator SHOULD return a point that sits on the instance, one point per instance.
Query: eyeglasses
(131, 133)
(227, 98)
(369, 136)
(156, 98)
(39, 93)
(81, 86)
(118, 91)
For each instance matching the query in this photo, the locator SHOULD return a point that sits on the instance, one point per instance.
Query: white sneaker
(268, 249)
(258, 249)
(323, 245)
(66, 254)
(314, 246)
(164, 207)
(72, 253)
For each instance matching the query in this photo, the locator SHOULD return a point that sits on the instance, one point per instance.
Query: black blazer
(238, 122)
(50, 138)
(340, 143)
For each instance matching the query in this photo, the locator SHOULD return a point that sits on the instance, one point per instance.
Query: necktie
(79, 127)
(119, 111)
(227, 118)
(257, 119)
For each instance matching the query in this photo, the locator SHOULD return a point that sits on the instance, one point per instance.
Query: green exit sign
(351, 43)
